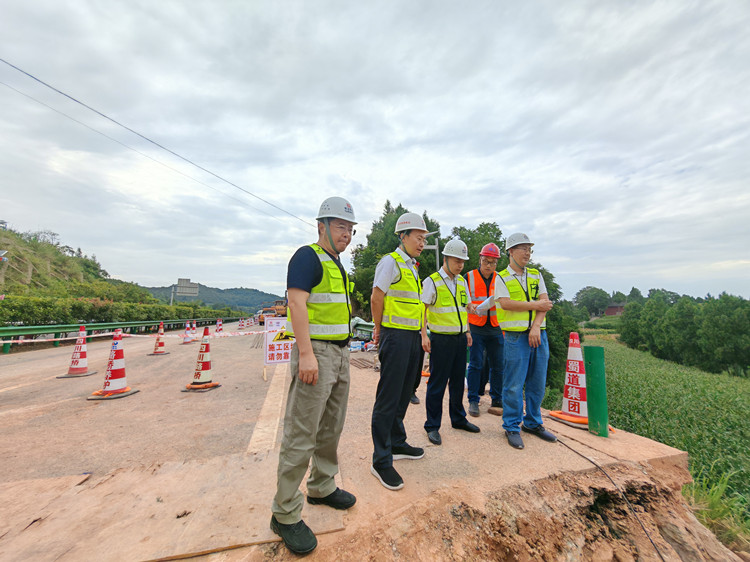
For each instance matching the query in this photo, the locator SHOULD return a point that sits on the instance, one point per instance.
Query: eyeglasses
(488, 261)
(524, 249)
(341, 228)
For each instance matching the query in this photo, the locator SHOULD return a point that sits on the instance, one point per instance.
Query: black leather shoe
(540, 432)
(339, 499)
(468, 426)
(434, 437)
(514, 439)
(297, 537)
(414, 399)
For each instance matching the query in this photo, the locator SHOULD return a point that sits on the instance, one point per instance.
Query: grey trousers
(313, 422)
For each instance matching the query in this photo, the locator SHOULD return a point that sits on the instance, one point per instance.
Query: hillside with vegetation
(46, 282)
(246, 300)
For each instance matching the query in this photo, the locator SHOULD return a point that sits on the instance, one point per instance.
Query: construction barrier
(79, 360)
(115, 382)
(202, 378)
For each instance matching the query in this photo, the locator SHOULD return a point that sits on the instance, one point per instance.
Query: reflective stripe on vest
(328, 309)
(448, 314)
(520, 320)
(478, 294)
(402, 307)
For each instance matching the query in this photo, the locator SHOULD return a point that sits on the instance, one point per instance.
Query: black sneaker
(388, 477)
(414, 399)
(496, 404)
(339, 499)
(474, 409)
(540, 432)
(514, 439)
(297, 537)
(406, 451)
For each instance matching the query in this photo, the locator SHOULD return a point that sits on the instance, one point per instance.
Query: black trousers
(399, 355)
(448, 367)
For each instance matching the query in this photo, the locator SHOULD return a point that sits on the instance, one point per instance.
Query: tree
(594, 299)
(630, 325)
(670, 297)
(724, 335)
(381, 241)
(618, 297)
(635, 295)
(476, 238)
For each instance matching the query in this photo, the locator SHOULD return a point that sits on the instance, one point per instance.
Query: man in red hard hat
(486, 334)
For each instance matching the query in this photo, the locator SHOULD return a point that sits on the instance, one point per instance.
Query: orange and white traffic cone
(575, 407)
(219, 326)
(79, 364)
(115, 383)
(187, 337)
(159, 345)
(202, 377)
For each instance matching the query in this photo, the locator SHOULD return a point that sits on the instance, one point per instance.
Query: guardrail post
(6, 348)
(596, 390)
(56, 342)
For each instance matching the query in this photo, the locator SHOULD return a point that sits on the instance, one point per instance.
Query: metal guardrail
(9, 332)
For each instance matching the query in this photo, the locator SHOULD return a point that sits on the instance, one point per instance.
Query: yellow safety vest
(402, 307)
(448, 315)
(329, 311)
(521, 320)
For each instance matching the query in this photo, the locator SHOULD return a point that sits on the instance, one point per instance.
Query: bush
(39, 311)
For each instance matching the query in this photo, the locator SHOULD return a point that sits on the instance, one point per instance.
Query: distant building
(615, 309)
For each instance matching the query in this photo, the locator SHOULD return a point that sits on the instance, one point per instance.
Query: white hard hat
(517, 238)
(336, 208)
(457, 249)
(410, 221)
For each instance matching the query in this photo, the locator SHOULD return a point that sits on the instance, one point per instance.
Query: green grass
(707, 415)
(611, 323)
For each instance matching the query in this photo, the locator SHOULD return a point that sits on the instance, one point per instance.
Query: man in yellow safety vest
(522, 296)
(446, 300)
(397, 313)
(319, 316)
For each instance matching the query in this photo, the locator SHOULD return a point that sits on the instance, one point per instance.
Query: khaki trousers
(313, 422)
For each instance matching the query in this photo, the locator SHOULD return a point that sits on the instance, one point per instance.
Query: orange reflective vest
(478, 294)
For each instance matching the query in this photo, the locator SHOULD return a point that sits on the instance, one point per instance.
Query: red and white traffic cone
(575, 406)
(188, 337)
(194, 331)
(115, 383)
(219, 326)
(79, 364)
(159, 345)
(202, 377)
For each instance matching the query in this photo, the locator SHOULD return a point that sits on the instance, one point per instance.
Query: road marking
(27, 384)
(266, 429)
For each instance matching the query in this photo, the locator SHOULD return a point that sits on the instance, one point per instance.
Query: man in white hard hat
(319, 316)
(522, 296)
(397, 313)
(445, 297)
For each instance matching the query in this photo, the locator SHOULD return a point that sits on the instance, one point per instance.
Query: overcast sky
(615, 134)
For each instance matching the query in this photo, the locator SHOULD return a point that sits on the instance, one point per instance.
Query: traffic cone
(78, 362)
(115, 383)
(194, 332)
(159, 345)
(188, 337)
(202, 377)
(219, 326)
(242, 324)
(575, 407)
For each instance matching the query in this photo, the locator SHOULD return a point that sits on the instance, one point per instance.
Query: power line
(152, 141)
(139, 152)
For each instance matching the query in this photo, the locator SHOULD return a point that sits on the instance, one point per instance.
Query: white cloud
(615, 135)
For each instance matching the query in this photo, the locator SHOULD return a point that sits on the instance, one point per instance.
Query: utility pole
(435, 246)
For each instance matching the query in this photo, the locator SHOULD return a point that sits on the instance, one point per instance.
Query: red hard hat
(490, 250)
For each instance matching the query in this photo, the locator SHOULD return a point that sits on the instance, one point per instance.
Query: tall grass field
(705, 414)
